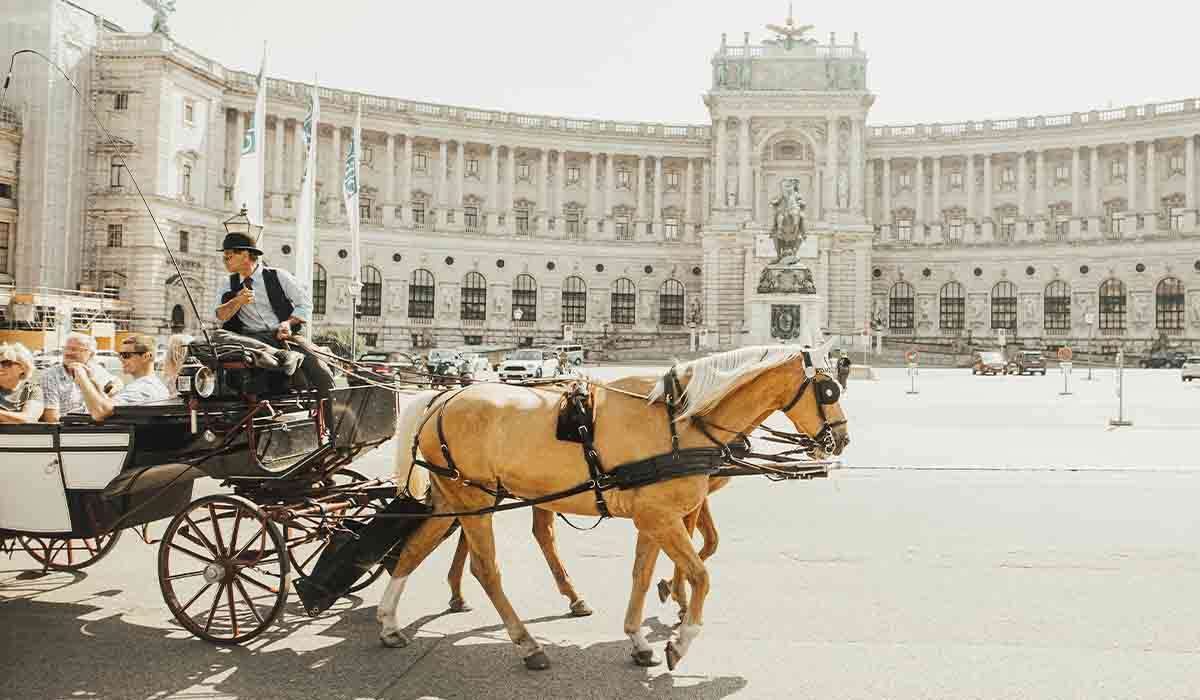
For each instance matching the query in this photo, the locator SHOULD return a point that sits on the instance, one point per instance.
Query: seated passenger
(61, 393)
(137, 360)
(20, 400)
(177, 352)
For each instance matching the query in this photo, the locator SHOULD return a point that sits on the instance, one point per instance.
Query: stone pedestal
(782, 318)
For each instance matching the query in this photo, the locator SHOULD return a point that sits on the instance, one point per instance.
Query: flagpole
(350, 189)
(306, 211)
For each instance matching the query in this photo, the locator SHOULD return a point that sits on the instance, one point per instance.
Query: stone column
(333, 191)
(276, 170)
(937, 190)
(656, 214)
(610, 186)
(640, 200)
(1075, 203)
(869, 200)
(512, 189)
(1040, 174)
(1189, 164)
(831, 167)
(443, 165)
(1151, 177)
(460, 174)
(1094, 182)
(857, 200)
(1022, 184)
(560, 181)
(594, 212)
(887, 190)
(389, 182)
(402, 198)
(299, 153)
(920, 205)
(969, 185)
(493, 194)
(987, 186)
(705, 191)
(720, 191)
(544, 202)
(744, 185)
(689, 202)
(1131, 176)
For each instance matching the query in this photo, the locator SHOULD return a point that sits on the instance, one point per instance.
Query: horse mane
(712, 378)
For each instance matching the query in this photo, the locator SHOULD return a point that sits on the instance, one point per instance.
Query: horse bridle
(827, 392)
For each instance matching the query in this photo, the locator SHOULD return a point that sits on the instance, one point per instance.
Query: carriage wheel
(306, 541)
(63, 554)
(223, 568)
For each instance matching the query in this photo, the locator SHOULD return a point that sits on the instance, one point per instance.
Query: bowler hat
(239, 241)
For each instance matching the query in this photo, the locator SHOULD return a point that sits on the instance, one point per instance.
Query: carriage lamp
(240, 223)
(202, 383)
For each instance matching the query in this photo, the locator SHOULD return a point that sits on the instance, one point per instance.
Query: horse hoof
(394, 640)
(664, 590)
(673, 656)
(645, 658)
(458, 605)
(580, 608)
(537, 661)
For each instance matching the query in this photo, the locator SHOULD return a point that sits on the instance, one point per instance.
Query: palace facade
(486, 227)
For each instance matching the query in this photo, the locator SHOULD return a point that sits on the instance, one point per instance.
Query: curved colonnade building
(500, 228)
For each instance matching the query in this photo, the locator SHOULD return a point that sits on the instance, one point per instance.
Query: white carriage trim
(26, 441)
(94, 439)
(32, 498)
(710, 379)
(91, 470)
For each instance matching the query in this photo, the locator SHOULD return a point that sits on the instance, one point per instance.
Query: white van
(573, 352)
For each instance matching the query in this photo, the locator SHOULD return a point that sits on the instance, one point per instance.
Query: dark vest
(280, 304)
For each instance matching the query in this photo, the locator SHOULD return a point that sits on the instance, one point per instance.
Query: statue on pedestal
(161, 8)
(787, 231)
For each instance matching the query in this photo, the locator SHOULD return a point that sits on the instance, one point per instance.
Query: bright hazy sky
(648, 60)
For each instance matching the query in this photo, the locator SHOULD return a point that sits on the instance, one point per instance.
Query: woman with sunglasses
(20, 400)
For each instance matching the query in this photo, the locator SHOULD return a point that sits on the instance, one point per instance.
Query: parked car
(573, 351)
(1158, 359)
(447, 367)
(1178, 358)
(1190, 369)
(1030, 362)
(990, 363)
(532, 363)
(393, 365)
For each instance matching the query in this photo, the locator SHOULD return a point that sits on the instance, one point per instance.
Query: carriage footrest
(348, 557)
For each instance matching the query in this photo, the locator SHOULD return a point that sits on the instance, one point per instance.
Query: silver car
(1190, 369)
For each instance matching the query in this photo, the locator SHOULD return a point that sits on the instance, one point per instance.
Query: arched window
(420, 294)
(1112, 305)
(670, 303)
(319, 289)
(1056, 306)
(951, 307)
(900, 306)
(1004, 306)
(624, 301)
(574, 300)
(371, 303)
(525, 298)
(1168, 305)
(177, 321)
(474, 297)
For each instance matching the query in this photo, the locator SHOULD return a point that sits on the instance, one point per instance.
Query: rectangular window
(1062, 228)
(522, 171)
(951, 313)
(1117, 224)
(956, 180)
(672, 179)
(574, 225)
(189, 112)
(472, 166)
(955, 230)
(420, 162)
(1176, 164)
(473, 340)
(671, 228)
(904, 230)
(522, 217)
(1175, 218)
(1004, 313)
(623, 178)
(905, 179)
(186, 185)
(115, 233)
(364, 210)
(621, 226)
(121, 101)
(114, 173)
(1008, 228)
(370, 339)
(572, 175)
(1117, 170)
(418, 214)
(624, 307)
(5, 244)
(1057, 314)
(183, 241)
(1008, 176)
(471, 218)
(1062, 173)
(6, 190)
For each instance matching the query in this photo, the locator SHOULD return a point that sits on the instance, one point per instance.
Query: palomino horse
(502, 438)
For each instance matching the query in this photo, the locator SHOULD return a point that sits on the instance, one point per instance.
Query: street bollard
(912, 379)
(1065, 367)
(1120, 420)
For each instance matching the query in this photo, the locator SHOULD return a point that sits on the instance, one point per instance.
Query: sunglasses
(5, 364)
(127, 355)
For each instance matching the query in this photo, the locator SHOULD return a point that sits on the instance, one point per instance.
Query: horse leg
(482, 541)
(672, 536)
(455, 575)
(543, 532)
(426, 538)
(643, 570)
(708, 531)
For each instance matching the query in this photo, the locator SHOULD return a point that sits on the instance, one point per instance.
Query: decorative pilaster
(969, 185)
(1151, 177)
(510, 207)
(936, 214)
(744, 173)
(987, 186)
(593, 196)
(1094, 182)
(705, 194)
(402, 199)
(721, 190)
(1131, 176)
(689, 201)
(388, 196)
(460, 174)
(656, 214)
(560, 181)
(887, 191)
(831, 164)
(610, 185)
(1189, 165)
(918, 231)
(333, 188)
(858, 201)
(1022, 184)
(298, 154)
(1075, 203)
(640, 201)
(493, 186)
(1040, 174)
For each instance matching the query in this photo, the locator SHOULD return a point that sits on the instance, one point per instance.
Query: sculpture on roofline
(161, 9)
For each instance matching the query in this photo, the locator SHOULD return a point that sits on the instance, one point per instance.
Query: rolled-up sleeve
(298, 295)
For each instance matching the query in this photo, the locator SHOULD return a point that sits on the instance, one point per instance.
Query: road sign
(1064, 354)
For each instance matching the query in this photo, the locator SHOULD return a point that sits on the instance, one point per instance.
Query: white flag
(306, 214)
(251, 174)
(350, 193)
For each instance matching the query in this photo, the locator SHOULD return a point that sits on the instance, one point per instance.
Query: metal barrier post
(911, 356)
(1120, 420)
(1066, 374)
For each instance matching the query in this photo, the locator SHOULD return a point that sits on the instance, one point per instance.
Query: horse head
(814, 407)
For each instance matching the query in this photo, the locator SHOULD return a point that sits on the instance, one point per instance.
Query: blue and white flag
(251, 174)
(350, 186)
(306, 214)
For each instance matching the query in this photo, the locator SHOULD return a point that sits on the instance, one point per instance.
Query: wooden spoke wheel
(223, 569)
(65, 554)
(308, 536)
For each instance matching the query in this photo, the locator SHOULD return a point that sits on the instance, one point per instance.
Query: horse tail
(412, 480)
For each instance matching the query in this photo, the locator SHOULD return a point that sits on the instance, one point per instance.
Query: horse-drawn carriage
(68, 491)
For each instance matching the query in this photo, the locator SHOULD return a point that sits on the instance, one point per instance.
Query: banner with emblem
(251, 174)
(350, 186)
(306, 214)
